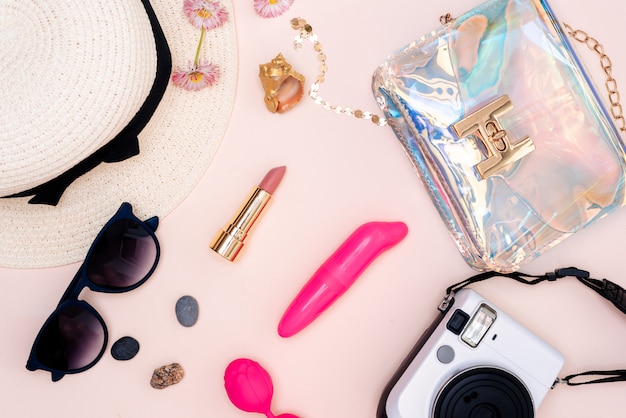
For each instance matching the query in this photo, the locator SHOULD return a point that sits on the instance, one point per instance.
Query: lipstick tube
(230, 240)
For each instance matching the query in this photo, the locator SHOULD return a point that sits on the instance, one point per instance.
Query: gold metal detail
(607, 66)
(305, 31)
(501, 151)
(283, 86)
(230, 240)
(445, 19)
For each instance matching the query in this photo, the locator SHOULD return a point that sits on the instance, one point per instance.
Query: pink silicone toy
(339, 272)
(249, 387)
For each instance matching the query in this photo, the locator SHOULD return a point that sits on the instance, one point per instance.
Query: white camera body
(477, 362)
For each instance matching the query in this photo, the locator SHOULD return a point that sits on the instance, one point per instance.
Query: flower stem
(197, 60)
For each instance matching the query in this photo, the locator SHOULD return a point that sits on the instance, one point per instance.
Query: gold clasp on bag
(500, 150)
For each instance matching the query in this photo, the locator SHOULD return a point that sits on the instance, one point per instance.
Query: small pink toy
(339, 272)
(249, 387)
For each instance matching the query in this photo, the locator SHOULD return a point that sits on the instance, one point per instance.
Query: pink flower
(196, 77)
(271, 8)
(205, 13)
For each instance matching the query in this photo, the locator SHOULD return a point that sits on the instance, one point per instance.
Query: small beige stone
(167, 375)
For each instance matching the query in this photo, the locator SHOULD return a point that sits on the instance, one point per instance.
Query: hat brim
(176, 148)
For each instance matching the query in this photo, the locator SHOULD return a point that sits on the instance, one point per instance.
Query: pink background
(341, 173)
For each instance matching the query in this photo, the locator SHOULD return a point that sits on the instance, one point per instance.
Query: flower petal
(271, 8)
(195, 78)
(205, 13)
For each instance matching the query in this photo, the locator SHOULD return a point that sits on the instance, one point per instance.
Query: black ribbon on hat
(126, 143)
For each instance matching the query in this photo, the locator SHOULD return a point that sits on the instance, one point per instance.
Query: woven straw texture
(73, 75)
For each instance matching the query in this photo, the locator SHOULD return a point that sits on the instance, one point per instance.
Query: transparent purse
(505, 130)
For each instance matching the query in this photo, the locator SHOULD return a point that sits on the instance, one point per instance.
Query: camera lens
(484, 393)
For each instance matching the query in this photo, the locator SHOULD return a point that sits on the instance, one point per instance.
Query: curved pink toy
(339, 272)
(249, 387)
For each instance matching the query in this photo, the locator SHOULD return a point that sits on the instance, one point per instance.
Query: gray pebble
(187, 310)
(125, 348)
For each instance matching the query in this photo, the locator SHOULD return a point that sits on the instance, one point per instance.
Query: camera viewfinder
(457, 322)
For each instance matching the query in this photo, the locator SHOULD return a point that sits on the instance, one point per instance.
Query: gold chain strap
(607, 67)
(306, 32)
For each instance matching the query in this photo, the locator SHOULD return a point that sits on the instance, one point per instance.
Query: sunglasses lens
(123, 255)
(72, 339)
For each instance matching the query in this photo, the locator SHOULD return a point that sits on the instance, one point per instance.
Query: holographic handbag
(505, 130)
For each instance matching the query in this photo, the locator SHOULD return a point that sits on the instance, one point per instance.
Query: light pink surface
(342, 172)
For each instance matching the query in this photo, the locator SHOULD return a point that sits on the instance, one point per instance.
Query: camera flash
(479, 325)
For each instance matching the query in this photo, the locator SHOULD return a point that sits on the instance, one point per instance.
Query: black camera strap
(605, 288)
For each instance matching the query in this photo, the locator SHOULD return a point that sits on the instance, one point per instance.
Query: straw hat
(76, 76)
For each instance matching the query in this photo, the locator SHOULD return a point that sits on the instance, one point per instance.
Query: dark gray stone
(125, 348)
(187, 310)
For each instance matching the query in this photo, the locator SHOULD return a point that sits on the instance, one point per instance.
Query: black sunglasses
(121, 258)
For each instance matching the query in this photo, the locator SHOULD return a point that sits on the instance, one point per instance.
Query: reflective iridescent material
(574, 175)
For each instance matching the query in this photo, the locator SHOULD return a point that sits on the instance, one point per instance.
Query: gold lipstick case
(229, 241)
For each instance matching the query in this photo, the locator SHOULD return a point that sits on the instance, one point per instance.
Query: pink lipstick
(230, 240)
(339, 272)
